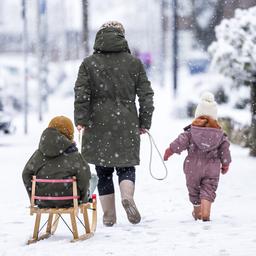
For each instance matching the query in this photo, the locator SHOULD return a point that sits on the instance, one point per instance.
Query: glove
(143, 130)
(80, 127)
(224, 169)
(167, 154)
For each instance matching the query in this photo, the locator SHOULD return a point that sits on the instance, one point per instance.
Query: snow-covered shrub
(234, 55)
(234, 52)
(237, 132)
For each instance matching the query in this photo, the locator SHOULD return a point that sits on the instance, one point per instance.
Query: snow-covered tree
(234, 55)
(206, 14)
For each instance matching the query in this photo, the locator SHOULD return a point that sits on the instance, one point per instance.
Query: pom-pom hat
(114, 24)
(207, 106)
(64, 125)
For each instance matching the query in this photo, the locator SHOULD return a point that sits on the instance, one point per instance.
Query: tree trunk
(164, 21)
(85, 27)
(253, 124)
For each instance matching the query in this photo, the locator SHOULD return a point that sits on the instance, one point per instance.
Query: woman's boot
(109, 209)
(127, 191)
(205, 209)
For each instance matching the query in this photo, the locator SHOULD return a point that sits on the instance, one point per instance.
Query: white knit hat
(207, 106)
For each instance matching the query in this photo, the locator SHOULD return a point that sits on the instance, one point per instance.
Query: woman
(105, 93)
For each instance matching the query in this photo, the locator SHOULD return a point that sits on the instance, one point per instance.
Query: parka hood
(110, 40)
(53, 143)
(206, 138)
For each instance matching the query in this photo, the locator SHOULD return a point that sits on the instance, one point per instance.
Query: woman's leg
(106, 194)
(126, 173)
(126, 177)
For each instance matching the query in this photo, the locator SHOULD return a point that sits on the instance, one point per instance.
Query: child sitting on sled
(208, 154)
(57, 157)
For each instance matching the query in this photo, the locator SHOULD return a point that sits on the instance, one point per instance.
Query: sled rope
(80, 140)
(152, 143)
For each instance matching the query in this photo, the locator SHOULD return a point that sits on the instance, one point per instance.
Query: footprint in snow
(152, 241)
(226, 216)
(15, 222)
(149, 220)
(193, 234)
(223, 252)
(208, 227)
(186, 221)
(236, 196)
(152, 233)
(234, 234)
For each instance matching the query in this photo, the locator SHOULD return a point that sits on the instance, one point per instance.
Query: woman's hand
(143, 131)
(80, 127)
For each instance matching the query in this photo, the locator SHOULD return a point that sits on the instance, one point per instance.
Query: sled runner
(54, 214)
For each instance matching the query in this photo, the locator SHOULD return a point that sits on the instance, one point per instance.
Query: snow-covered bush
(234, 55)
(234, 52)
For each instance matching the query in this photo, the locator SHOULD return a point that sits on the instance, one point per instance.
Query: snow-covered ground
(167, 227)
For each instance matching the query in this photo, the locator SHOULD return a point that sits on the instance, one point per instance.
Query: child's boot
(197, 212)
(205, 209)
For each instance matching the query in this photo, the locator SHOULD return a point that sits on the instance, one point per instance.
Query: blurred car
(198, 65)
(198, 62)
(6, 123)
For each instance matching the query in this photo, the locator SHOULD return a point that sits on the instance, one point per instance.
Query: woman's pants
(105, 174)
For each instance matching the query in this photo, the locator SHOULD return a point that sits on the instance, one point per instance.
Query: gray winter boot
(109, 209)
(127, 191)
(93, 184)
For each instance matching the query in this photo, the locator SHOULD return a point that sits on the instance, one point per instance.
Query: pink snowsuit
(208, 149)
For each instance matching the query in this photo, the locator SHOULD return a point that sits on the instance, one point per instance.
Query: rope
(80, 140)
(152, 142)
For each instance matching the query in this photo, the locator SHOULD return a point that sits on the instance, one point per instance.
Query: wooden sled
(89, 221)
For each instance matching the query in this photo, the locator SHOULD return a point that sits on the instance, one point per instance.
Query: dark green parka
(105, 93)
(57, 158)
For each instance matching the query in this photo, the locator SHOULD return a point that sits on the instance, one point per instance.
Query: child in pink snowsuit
(208, 154)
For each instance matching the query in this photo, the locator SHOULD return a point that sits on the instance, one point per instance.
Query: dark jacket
(56, 158)
(105, 93)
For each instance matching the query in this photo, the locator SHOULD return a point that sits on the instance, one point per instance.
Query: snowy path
(167, 227)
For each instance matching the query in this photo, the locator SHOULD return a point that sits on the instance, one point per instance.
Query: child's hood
(53, 143)
(206, 138)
